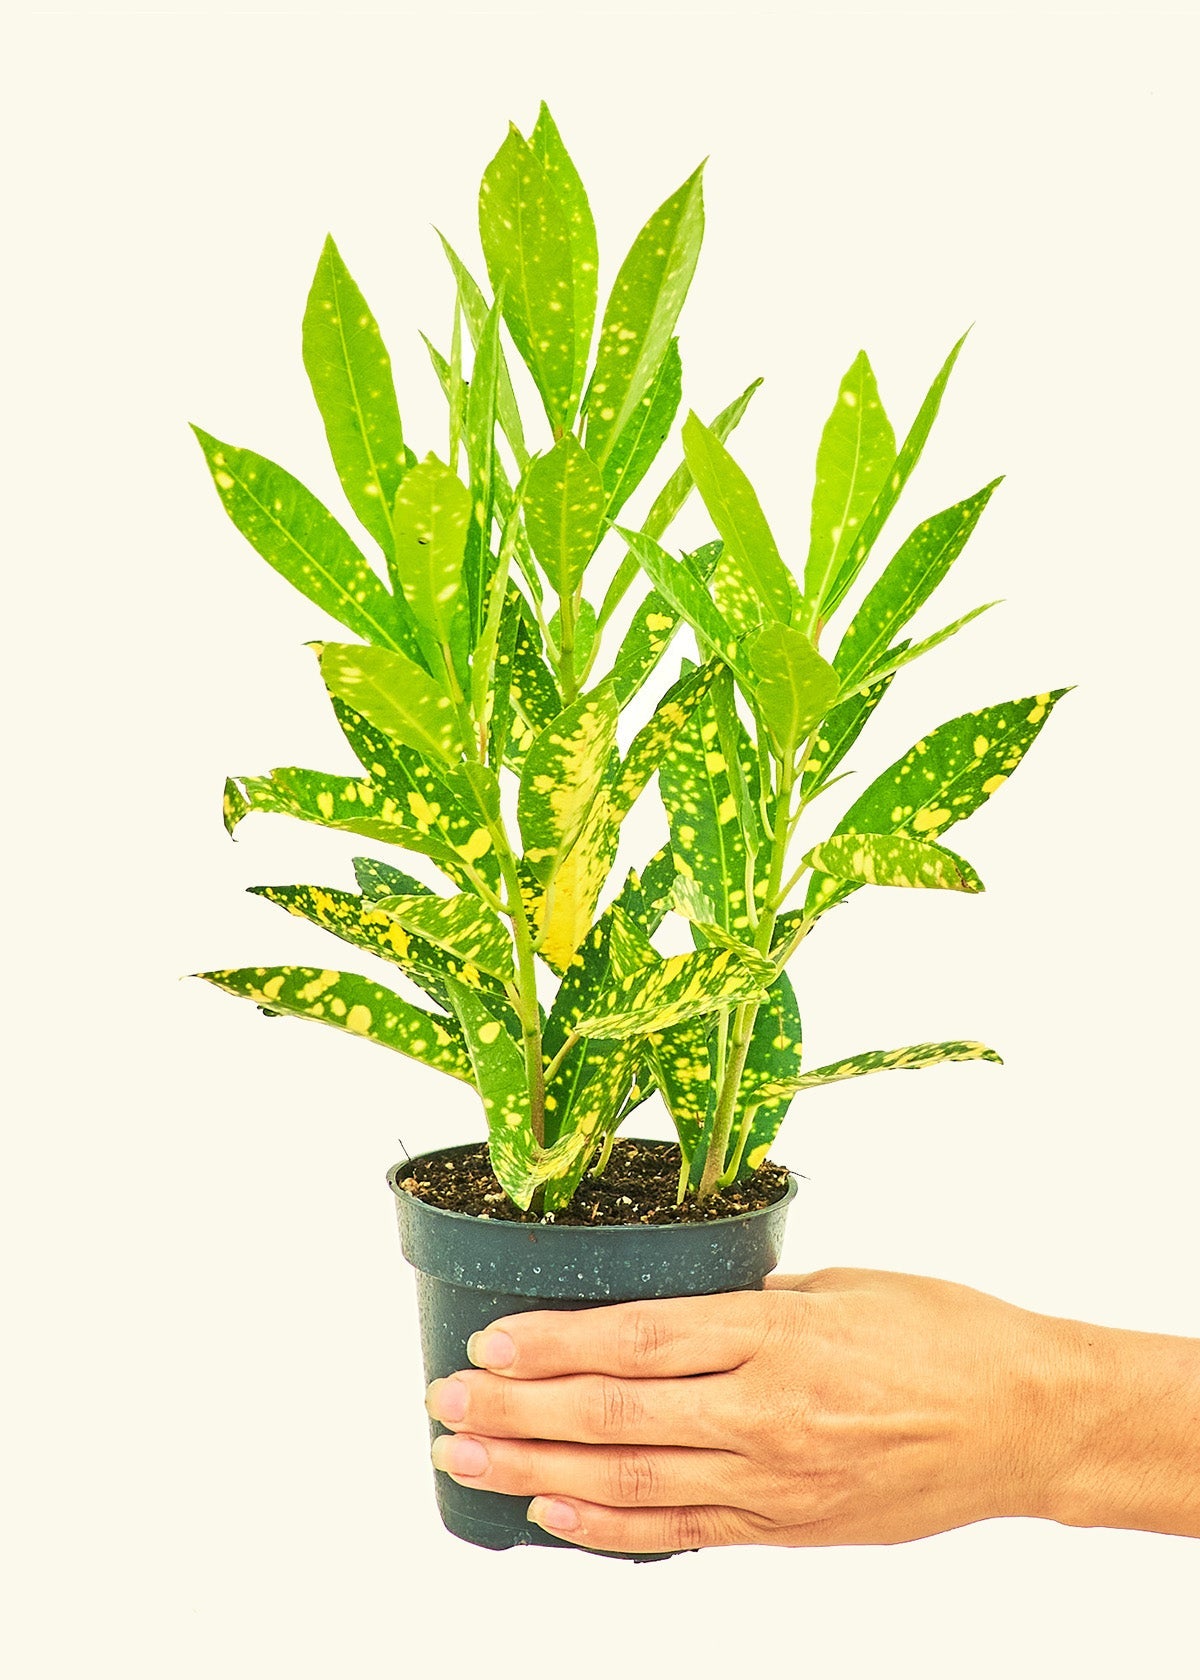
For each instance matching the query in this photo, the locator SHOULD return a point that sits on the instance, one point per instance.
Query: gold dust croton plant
(480, 653)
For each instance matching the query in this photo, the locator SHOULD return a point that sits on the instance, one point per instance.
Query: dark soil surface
(637, 1187)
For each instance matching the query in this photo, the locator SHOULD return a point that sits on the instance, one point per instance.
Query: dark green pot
(471, 1271)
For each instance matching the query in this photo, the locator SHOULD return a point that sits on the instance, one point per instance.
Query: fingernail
(460, 1455)
(446, 1400)
(493, 1348)
(553, 1513)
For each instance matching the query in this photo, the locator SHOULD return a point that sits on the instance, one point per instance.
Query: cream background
(217, 1452)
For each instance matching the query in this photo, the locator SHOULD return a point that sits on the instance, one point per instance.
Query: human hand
(843, 1408)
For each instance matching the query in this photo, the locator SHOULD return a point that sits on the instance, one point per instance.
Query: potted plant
(483, 700)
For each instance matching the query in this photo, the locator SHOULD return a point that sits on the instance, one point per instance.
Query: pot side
(472, 1270)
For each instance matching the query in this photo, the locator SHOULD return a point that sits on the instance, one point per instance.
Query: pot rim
(395, 1172)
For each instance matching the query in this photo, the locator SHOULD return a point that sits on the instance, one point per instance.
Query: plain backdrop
(215, 1442)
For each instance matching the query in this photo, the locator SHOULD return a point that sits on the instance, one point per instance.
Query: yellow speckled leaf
(563, 772)
(912, 1056)
(461, 925)
(355, 1005)
(674, 989)
(564, 501)
(396, 695)
(893, 860)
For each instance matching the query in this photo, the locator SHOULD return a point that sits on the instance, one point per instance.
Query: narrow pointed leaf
(675, 581)
(351, 375)
(476, 310)
(532, 697)
(853, 560)
(563, 772)
(641, 313)
(735, 510)
(942, 779)
(396, 695)
(681, 1059)
(599, 1083)
(912, 1056)
(547, 146)
(377, 879)
(907, 581)
(564, 512)
(480, 432)
(708, 843)
(432, 512)
(893, 860)
(906, 652)
(302, 540)
(354, 1004)
(517, 1160)
(527, 244)
(634, 451)
(775, 1054)
(653, 627)
(841, 729)
(857, 450)
(793, 686)
(460, 925)
(675, 989)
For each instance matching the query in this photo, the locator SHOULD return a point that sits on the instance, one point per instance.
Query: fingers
(674, 1338)
(620, 1476)
(681, 1528)
(585, 1408)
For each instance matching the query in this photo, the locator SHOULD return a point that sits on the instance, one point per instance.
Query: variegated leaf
(563, 772)
(941, 780)
(708, 843)
(675, 989)
(461, 926)
(547, 146)
(564, 512)
(641, 313)
(775, 1054)
(841, 728)
(476, 310)
(396, 695)
(854, 558)
(904, 653)
(351, 375)
(432, 513)
(615, 948)
(519, 1163)
(531, 693)
(652, 629)
(676, 582)
(480, 432)
(645, 431)
(377, 879)
(591, 1093)
(893, 860)
(906, 583)
(734, 507)
(793, 686)
(681, 1060)
(856, 451)
(913, 1056)
(302, 540)
(354, 1004)
(526, 241)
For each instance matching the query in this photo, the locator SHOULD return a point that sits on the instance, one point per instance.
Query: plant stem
(566, 649)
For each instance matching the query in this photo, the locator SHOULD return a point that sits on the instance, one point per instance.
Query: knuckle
(640, 1338)
(689, 1528)
(635, 1480)
(610, 1408)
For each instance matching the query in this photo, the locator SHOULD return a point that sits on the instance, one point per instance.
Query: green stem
(567, 680)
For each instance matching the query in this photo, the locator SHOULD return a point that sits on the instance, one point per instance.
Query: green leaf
(645, 432)
(591, 1088)
(527, 243)
(476, 310)
(793, 686)
(433, 508)
(681, 1060)
(668, 503)
(460, 925)
(395, 695)
(354, 805)
(892, 860)
(547, 146)
(351, 375)
(584, 627)
(354, 1004)
(774, 1057)
(841, 729)
(562, 774)
(305, 544)
(852, 562)
(677, 584)
(482, 464)
(517, 1160)
(641, 314)
(675, 989)
(735, 510)
(908, 580)
(914, 1056)
(708, 843)
(564, 512)
(942, 779)
(904, 653)
(532, 695)
(856, 451)
(377, 879)
(653, 627)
